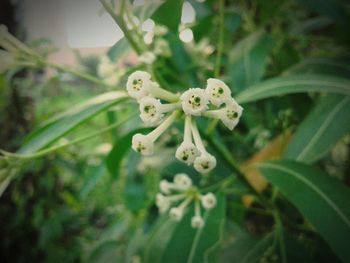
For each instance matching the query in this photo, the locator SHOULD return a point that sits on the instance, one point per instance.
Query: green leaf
(118, 49)
(331, 8)
(325, 66)
(169, 14)
(174, 242)
(244, 247)
(322, 200)
(69, 120)
(248, 60)
(145, 11)
(324, 126)
(294, 84)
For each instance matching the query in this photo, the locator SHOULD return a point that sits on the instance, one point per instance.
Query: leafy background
(74, 191)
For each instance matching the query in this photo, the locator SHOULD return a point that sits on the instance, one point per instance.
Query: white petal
(142, 144)
(194, 101)
(197, 222)
(164, 186)
(176, 213)
(208, 201)
(138, 84)
(205, 163)
(217, 91)
(231, 114)
(187, 152)
(150, 111)
(183, 181)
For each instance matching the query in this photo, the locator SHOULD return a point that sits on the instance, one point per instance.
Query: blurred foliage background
(94, 201)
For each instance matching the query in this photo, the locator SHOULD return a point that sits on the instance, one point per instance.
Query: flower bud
(183, 181)
(208, 201)
(217, 91)
(187, 152)
(197, 222)
(205, 163)
(194, 101)
(142, 144)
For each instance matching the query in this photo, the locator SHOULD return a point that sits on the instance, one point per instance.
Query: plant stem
(121, 23)
(77, 73)
(221, 38)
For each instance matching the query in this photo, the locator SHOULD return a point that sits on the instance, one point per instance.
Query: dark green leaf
(325, 66)
(66, 122)
(118, 152)
(294, 84)
(248, 60)
(118, 49)
(322, 200)
(331, 8)
(169, 14)
(173, 242)
(327, 123)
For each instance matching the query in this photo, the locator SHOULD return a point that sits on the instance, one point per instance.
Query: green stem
(121, 23)
(279, 235)
(76, 73)
(221, 38)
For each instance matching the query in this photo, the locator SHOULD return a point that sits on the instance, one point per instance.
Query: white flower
(142, 144)
(176, 213)
(183, 181)
(208, 201)
(150, 110)
(229, 115)
(187, 152)
(105, 68)
(217, 91)
(148, 37)
(194, 101)
(138, 84)
(197, 222)
(147, 58)
(165, 186)
(204, 163)
(160, 30)
(163, 203)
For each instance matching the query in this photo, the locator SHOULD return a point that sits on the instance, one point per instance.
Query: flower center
(195, 101)
(140, 147)
(231, 114)
(186, 153)
(150, 110)
(137, 84)
(205, 165)
(217, 92)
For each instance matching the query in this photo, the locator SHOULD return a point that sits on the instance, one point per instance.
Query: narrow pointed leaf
(248, 60)
(325, 125)
(295, 84)
(66, 122)
(178, 242)
(322, 200)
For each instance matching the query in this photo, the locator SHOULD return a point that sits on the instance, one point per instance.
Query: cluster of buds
(182, 193)
(109, 71)
(192, 103)
(15, 52)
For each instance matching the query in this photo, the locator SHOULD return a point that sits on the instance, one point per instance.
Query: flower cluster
(214, 101)
(182, 192)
